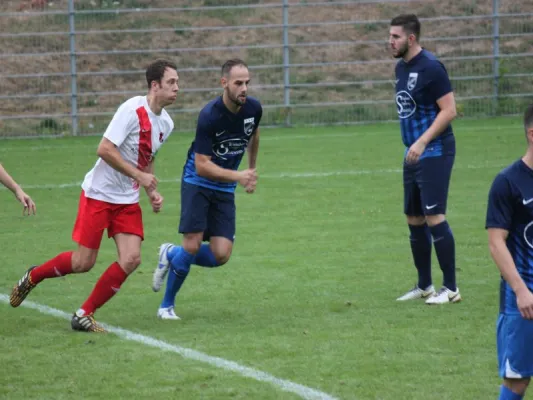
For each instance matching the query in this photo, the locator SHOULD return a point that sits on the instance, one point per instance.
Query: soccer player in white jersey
(110, 196)
(23, 198)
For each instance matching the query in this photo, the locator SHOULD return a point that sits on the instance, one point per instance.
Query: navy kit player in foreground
(227, 127)
(510, 231)
(426, 107)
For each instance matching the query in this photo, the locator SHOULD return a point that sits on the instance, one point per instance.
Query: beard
(402, 51)
(235, 99)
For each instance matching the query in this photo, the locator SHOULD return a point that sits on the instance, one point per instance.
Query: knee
(416, 220)
(518, 386)
(81, 264)
(433, 220)
(192, 244)
(222, 257)
(130, 262)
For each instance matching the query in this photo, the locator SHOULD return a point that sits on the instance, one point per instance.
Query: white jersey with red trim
(138, 133)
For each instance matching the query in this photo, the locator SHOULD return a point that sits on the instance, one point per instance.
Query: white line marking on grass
(179, 141)
(287, 386)
(323, 133)
(281, 175)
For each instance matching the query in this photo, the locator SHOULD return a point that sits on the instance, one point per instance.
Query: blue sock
(205, 257)
(420, 239)
(508, 394)
(180, 264)
(445, 248)
(173, 251)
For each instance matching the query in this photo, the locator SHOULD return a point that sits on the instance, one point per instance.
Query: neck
(528, 158)
(230, 105)
(154, 104)
(412, 53)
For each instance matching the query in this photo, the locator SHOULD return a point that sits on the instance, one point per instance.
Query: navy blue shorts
(425, 185)
(515, 347)
(207, 210)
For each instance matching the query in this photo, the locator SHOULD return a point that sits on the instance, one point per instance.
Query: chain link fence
(66, 66)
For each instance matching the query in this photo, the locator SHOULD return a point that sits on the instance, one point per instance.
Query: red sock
(54, 268)
(106, 287)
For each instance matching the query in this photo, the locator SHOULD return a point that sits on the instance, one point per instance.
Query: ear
(411, 38)
(530, 135)
(224, 82)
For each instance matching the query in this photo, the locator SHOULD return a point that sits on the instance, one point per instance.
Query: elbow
(494, 247)
(452, 113)
(101, 151)
(200, 169)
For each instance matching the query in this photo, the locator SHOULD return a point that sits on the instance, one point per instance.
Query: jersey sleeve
(203, 142)
(500, 205)
(169, 127)
(124, 122)
(438, 81)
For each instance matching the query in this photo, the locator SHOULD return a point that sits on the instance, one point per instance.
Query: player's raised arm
(108, 152)
(22, 197)
(206, 131)
(208, 169)
(156, 200)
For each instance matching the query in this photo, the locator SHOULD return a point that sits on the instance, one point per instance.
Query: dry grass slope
(103, 45)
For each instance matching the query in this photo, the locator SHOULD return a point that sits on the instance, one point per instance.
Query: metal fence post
(73, 75)
(286, 64)
(495, 54)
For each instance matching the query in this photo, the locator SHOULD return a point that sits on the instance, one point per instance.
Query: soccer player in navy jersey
(510, 230)
(227, 127)
(426, 107)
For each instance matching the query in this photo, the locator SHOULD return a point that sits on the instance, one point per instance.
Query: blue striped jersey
(419, 84)
(510, 207)
(224, 136)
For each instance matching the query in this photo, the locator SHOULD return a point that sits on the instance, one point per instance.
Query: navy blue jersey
(224, 136)
(419, 84)
(511, 208)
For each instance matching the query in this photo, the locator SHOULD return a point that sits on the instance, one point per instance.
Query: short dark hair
(528, 118)
(156, 70)
(234, 62)
(409, 23)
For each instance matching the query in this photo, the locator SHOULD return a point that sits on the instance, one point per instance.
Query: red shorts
(95, 215)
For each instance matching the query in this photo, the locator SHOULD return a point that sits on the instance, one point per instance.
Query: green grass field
(321, 254)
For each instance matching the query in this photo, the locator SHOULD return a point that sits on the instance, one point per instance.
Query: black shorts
(207, 210)
(425, 185)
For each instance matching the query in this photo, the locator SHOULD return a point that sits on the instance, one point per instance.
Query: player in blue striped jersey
(426, 107)
(227, 127)
(510, 230)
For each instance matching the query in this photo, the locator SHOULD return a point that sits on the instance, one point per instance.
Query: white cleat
(162, 267)
(167, 313)
(444, 296)
(417, 293)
